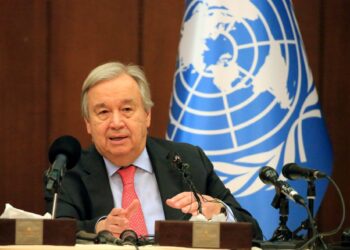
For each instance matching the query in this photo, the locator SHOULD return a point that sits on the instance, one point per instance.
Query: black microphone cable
(144, 240)
(332, 232)
(127, 237)
(313, 228)
(336, 230)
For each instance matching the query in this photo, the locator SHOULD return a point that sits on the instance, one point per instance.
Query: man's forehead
(122, 102)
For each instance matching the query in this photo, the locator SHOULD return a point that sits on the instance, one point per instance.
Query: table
(95, 247)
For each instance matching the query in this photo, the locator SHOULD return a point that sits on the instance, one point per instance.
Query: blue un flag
(243, 91)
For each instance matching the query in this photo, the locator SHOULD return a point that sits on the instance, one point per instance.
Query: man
(116, 106)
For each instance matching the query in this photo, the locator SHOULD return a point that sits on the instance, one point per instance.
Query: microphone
(179, 164)
(82, 236)
(65, 149)
(64, 153)
(129, 236)
(184, 170)
(294, 172)
(107, 237)
(268, 175)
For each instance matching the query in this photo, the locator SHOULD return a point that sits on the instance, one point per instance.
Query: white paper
(200, 217)
(11, 212)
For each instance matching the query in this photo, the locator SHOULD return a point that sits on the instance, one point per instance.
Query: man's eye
(127, 109)
(103, 114)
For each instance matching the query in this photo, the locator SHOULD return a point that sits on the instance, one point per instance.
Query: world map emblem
(244, 93)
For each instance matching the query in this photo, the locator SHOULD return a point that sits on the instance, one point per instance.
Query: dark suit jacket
(86, 194)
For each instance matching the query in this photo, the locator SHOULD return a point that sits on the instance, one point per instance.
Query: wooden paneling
(48, 47)
(23, 103)
(308, 14)
(161, 33)
(326, 34)
(336, 74)
(84, 34)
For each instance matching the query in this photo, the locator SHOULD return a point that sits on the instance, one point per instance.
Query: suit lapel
(168, 178)
(97, 183)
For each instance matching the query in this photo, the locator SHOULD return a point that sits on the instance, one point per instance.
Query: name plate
(231, 235)
(37, 232)
(206, 235)
(29, 232)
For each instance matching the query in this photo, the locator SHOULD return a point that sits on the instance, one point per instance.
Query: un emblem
(243, 90)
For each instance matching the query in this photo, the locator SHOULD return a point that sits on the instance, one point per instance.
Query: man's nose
(117, 120)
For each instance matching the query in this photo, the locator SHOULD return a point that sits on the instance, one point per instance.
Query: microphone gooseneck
(184, 170)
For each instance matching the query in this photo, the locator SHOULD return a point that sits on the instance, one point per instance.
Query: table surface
(95, 247)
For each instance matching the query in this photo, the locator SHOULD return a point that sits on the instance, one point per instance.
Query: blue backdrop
(243, 91)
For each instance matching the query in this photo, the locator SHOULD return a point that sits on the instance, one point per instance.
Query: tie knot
(127, 174)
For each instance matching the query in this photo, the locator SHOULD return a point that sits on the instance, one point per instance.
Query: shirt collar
(143, 162)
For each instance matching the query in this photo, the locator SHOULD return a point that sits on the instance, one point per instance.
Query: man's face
(117, 119)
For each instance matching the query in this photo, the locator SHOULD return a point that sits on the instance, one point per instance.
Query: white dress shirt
(145, 186)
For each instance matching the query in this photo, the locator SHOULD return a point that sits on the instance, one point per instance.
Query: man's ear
(88, 125)
(148, 118)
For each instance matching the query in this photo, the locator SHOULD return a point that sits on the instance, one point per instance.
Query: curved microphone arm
(195, 193)
(183, 168)
(313, 229)
(186, 176)
(334, 231)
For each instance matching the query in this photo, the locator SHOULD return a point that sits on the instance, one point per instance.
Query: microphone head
(174, 157)
(291, 171)
(294, 172)
(106, 236)
(68, 146)
(268, 175)
(129, 236)
(177, 162)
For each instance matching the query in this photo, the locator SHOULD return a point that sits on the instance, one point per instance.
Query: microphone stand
(53, 185)
(282, 237)
(311, 196)
(306, 224)
(282, 233)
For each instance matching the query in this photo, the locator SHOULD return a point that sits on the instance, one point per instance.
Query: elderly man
(125, 179)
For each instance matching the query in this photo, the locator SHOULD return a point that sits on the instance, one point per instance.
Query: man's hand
(188, 204)
(118, 219)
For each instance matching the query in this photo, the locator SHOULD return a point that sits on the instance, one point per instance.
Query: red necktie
(137, 221)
